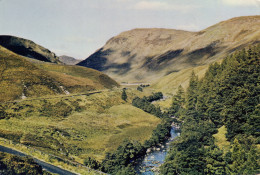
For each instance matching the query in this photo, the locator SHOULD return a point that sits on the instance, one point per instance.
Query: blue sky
(79, 27)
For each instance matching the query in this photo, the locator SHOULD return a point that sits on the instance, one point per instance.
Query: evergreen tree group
(228, 95)
(146, 105)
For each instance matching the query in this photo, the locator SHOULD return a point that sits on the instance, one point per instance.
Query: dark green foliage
(123, 159)
(139, 88)
(161, 132)
(144, 85)
(92, 163)
(191, 98)
(60, 109)
(11, 135)
(129, 170)
(124, 95)
(242, 159)
(146, 105)
(178, 101)
(76, 106)
(188, 152)
(14, 165)
(229, 94)
(155, 96)
(239, 90)
(6, 115)
(120, 160)
(215, 163)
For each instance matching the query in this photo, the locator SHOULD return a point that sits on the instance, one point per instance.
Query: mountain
(28, 48)
(146, 55)
(22, 77)
(68, 60)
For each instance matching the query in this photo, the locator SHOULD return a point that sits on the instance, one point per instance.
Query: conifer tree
(238, 158)
(252, 163)
(124, 96)
(191, 98)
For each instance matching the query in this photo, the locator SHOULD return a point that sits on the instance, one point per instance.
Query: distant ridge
(68, 60)
(146, 55)
(28, 48)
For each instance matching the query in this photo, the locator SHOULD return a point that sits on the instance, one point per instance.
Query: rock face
(144, 55)
(68, 60)
(28, 48)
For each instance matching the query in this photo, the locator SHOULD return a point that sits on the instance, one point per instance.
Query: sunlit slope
(20, 78)
(77, 78)
(78, 126)
(170, 83)
(145, 55)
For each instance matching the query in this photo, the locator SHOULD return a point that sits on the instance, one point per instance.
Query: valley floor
(74, 126)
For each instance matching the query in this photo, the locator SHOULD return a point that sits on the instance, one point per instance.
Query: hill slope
(68, 60)
(145, 55)
(20, 78)
(28, 48)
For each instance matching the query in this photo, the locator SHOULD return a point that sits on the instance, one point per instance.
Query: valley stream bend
(149, 165)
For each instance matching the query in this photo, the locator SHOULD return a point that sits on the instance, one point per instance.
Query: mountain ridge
(141, 55)
(28, 48)
(68, 60)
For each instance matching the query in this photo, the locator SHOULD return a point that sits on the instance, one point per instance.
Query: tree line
(229, 96)
(146, 105)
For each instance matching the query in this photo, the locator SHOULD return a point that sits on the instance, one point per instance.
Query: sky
(78, 28)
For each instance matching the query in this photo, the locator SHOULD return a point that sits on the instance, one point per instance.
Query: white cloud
(156, 5)
(241, 2)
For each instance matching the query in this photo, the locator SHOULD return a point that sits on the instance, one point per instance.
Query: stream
(149, 165)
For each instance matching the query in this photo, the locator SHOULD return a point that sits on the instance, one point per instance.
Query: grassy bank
(76, 126)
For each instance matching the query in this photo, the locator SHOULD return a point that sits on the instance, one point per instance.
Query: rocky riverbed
(149, 165)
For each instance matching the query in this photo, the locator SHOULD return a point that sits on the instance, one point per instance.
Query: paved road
(46, 166)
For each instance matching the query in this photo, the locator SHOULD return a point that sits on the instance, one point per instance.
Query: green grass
(78, 75)
(95, 124)
(46, 158)
(221, 140)
(19, 77)
(170, 83)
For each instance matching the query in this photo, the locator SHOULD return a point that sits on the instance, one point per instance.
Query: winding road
(46, 166)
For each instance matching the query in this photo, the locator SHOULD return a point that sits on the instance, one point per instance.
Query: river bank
(150, 163)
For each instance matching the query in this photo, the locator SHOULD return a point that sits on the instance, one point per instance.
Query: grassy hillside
(78, 126)
(170, 83)
(28, 48)
(20, 78)
(76, 77)
(146, 55)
